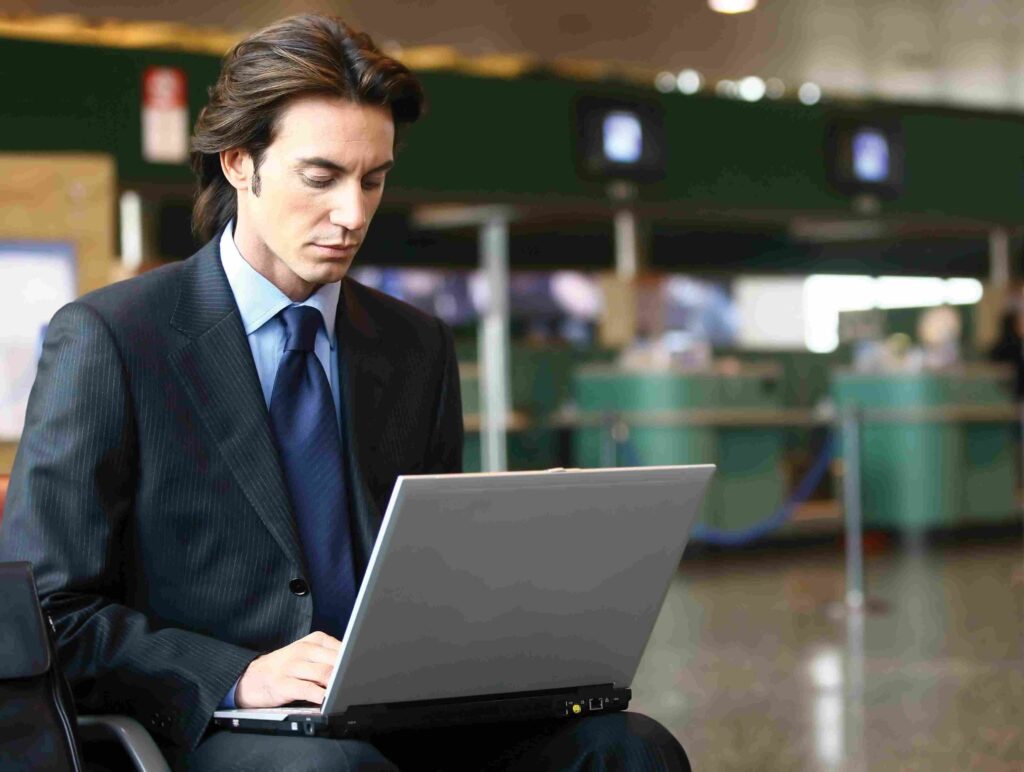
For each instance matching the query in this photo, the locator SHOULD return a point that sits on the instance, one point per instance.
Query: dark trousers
(626, 742)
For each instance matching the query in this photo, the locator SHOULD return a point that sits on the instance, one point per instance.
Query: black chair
(38, 726)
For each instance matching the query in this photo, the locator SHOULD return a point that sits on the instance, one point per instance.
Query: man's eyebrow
(325, 163)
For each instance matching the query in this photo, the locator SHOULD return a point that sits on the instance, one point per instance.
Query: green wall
(491, 139)
(59, 97)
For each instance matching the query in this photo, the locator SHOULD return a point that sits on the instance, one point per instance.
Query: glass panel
(36, 279)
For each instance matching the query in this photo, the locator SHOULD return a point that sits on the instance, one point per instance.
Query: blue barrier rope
(723, 538)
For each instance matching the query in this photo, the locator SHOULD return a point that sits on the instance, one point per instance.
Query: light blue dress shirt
(259, 303)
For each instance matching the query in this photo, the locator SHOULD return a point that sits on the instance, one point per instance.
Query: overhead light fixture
(727, 88)
(775, 88)
(752, 89)
(809, 94)
(665, 82)
(689, 81)
(732, 6)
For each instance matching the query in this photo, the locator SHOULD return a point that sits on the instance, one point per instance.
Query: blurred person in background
(1009, 348)
(210, 447)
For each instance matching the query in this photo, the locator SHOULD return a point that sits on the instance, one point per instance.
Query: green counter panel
(934, 473)
(748, 486)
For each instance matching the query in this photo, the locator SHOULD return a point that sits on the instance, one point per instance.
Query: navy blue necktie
(305, 426)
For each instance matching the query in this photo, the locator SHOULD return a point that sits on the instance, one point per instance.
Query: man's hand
(299, 671)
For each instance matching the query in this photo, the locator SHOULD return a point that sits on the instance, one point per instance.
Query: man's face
(303, 214)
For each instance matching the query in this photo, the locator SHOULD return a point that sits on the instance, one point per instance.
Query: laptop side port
(597, 703)
(308, 727)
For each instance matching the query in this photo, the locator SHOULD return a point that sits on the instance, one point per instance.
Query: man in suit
(210, 447)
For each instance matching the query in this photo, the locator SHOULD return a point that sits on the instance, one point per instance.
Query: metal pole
(625, 244)
(852, 514)
(1020, 442)
(999, 257)
(609, 445)
(130, 209)
(493, 345)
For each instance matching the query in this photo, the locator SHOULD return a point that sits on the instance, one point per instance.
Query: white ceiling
(957, 52)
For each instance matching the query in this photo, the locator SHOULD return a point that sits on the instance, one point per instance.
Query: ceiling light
(774, 88)
(732, 6)
(665, 82)
(727, 88)
(689, 81)
(809, 93)
(752, 89)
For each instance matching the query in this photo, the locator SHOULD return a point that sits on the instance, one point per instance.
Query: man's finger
(315, 672)
(323, 639)
(313, 653)
(304, 691)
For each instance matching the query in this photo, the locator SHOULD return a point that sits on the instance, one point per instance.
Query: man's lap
(245, 752)
(616, 741)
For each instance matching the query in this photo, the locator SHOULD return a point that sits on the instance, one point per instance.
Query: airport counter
(733, 418)
(532, 442)
(937, 448)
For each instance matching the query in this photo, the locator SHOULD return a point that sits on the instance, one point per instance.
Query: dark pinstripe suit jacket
(147, 491)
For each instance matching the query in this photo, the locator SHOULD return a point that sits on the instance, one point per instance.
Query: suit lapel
(364, 371)
(217, 372)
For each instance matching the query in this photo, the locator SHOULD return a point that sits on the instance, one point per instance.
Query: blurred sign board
(36, 279)
(165, 129)
(861, 325)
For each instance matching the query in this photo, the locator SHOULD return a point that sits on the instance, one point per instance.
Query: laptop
(506, 596)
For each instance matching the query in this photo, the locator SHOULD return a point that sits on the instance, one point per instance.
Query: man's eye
(372, 184)
(317, 182)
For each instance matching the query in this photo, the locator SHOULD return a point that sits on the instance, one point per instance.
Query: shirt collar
(259, 300)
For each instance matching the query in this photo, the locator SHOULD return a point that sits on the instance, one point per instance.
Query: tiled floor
(748, 666)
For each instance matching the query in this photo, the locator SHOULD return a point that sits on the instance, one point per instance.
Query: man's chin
(327, 274)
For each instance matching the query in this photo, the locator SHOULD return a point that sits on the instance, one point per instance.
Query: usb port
(597, 703)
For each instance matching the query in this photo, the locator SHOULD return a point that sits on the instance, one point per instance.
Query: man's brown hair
(298, 56)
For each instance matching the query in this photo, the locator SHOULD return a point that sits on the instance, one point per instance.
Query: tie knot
(300, 324)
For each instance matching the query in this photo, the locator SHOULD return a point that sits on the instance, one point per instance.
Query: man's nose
(348, 209)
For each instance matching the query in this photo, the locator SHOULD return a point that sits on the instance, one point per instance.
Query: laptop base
(367, 720)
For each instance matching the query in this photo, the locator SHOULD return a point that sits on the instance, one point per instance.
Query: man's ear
(236, 164)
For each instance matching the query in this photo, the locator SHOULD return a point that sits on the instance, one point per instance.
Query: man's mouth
(340, 249)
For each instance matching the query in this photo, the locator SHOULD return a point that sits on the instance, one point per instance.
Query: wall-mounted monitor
(620, 139)
(865, 156)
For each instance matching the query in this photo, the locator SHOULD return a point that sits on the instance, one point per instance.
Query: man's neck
(257, 254)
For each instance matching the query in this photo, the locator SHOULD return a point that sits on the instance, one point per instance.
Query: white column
(130, 210)
(625, 244)
(494, 345)
(999, 257)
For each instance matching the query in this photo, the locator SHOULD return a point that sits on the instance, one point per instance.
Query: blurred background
(782, 237)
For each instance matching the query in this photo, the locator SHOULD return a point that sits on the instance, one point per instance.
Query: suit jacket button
(298, 586)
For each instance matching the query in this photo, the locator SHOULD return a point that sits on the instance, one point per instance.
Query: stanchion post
(609, 446)
(620, 436)
(1020, 447)
(852, 512)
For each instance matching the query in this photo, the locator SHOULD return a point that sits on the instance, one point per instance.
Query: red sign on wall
(165, 127)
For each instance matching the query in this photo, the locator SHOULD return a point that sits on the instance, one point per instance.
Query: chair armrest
(137, 742)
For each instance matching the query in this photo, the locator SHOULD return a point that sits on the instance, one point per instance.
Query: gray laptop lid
(496, 583)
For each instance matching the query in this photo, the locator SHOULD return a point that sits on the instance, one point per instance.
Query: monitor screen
(865, 155)
(870, 156)
(623, 137)
(619, 139)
